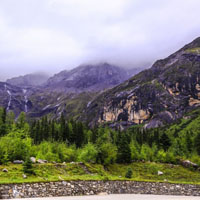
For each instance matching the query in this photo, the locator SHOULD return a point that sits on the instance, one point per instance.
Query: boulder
(33, 159)
(18, 162)
(160, 173)
(188, 164)
(5, 170)
(24, 176)
(40, 161)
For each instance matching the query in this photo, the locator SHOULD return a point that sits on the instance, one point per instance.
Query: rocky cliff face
(15, 98)
(155, 96)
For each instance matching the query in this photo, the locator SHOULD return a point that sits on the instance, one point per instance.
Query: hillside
(155, 96)
(147, 172)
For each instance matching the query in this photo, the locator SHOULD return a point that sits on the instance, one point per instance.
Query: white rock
(4, 170)
(24, 176)
(33, 159)
(160, 173)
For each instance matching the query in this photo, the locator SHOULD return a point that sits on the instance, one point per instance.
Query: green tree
(21, 120)
(28, 166)
(88, 153)
(165, 142)
(197, 143)
(123, 149)
(129, 173)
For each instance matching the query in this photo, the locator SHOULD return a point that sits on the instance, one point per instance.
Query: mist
(52, 35)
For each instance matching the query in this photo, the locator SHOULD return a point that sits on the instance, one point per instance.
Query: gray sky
(52, 35)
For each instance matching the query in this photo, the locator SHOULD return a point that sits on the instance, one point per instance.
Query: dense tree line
(60, 140)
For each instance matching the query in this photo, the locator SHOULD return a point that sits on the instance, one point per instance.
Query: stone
(33, 159)
(18, 162)
(188, 164)
(160, 173)
(5, 170)
(40, 161)
(24, 176)
(72, 188)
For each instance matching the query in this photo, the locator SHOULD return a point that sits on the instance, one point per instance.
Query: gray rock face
(88, 78)
(159, 95)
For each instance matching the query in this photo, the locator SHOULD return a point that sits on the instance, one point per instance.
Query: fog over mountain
(52, 35)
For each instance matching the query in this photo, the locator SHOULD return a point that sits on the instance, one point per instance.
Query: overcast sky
(52, 35)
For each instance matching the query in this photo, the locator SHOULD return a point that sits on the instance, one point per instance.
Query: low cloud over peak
(50, 35)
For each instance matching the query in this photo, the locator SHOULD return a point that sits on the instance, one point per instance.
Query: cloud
(50, 35)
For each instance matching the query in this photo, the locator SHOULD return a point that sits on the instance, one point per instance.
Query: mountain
(91, 78)
(14, 98)
(155, 96)
(28, 80)
(68, 92)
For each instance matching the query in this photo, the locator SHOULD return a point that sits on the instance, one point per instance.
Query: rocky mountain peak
(88, 78)
(155, 96)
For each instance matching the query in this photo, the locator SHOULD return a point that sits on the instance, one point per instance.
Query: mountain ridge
(155, 96)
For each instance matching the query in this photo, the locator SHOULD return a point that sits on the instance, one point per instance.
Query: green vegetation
(129, 173)
(76, 171)
(107, 153)
(28, 166)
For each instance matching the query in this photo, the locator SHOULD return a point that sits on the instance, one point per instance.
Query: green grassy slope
(75, 171)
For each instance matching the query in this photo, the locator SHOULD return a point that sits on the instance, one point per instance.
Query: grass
(147, 172)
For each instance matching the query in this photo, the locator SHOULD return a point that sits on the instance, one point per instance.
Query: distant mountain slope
(155, 96)
(69, 92)
(28, 80)
(15, 98)
(88, 78)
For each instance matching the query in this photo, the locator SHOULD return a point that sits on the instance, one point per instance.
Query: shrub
(27, 166)
(88, 153)
(129, 173)
(107, 153)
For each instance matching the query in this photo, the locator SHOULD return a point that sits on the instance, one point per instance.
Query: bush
(146, 153)
(14, 146)
(27, 166)
(107, 153)
(129, 173)
(88, 154)
(54, 151)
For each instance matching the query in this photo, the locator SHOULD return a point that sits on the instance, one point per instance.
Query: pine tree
(28, 166)
(165, 141)
(3, 129)
(123, 149)
(21, 120)
(197, 143)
